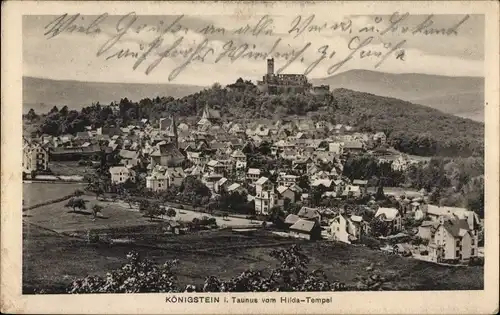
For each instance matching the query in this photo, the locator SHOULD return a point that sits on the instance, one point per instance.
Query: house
(352, 190)
(120, 174)
(285, 192)
(156, 181)
(435, 213)
(209, 117)
(287, 180)
(380, 138)
(402, 249)
(427, 229)
(309, 230)
(265, 198)
(35, 157)
(235, 188)
(240, 159)
(253, 174)
(336, 148)
(196, 157)
(363, 185)
(307, 213)
(453, 240)
(175, 176)
(129, 158)
(167, 154)
(346, 229)
(222, 184)
(392, 217)
(215, 166)
(110, 131)
(353, 147)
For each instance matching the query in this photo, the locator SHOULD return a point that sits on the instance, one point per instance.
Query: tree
(380, 193)
(152, 210)
(171, 213)
(96, 209)
(31, 116)
(75, 203)
(379, 227)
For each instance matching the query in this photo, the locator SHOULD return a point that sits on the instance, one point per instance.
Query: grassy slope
(52, 262)
(454, 95)
(41, 94)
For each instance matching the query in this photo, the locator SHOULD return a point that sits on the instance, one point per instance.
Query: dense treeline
(411, 128)
(450, 182)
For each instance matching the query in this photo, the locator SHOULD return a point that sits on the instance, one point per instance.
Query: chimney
(270, 66)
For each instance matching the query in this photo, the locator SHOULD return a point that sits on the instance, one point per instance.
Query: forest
(411, 128)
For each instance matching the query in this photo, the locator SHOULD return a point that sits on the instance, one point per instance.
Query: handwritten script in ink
(377, 39)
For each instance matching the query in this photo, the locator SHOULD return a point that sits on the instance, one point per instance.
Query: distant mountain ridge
(461, 96)
(42, 94)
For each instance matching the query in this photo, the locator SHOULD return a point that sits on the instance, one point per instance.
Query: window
(472, 252)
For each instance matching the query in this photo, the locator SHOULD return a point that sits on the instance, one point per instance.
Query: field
(70, 168)
(51, 261)
(35, 193)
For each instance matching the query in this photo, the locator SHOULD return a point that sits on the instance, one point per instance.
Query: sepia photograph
(241, 152)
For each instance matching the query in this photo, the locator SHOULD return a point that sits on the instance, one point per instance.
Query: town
(298, 179)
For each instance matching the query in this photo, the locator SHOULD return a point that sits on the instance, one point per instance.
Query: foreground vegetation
(51, 261)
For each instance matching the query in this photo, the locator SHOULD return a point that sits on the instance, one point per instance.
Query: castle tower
(270, 66)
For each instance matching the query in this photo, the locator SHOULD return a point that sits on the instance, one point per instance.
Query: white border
(449, 302)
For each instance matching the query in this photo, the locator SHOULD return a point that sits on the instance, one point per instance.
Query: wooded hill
(411, 128)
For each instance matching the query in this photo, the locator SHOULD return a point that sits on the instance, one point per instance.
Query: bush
(476, 261)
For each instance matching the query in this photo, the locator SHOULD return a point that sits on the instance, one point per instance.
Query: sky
(67, 47)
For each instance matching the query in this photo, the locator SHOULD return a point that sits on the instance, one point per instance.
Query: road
(184, 215)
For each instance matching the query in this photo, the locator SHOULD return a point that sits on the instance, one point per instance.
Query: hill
(413, 129)
(461, 96)
(42, 94)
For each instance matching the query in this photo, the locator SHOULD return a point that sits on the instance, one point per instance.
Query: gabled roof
(212, 163)
(238, 154)
(457, 227)
(390, 213)
(253, 171)
(303, 225)
(353, 145)
(261, 180)
(282, 189)
(233, 187)
(291, 218)
(222, 181)
(127, 154)
(309, 213)
(360, 182)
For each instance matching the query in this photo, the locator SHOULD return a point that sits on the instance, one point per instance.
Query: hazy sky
(74, 55)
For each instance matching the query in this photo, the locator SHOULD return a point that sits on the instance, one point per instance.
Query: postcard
(250, 157)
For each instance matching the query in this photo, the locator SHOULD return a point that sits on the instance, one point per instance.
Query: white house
(287, 180)
(392, 216)
(253, 174)
(120, 174)
(265, 197)
(35, 157)
(453, 240)
(346, 229)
